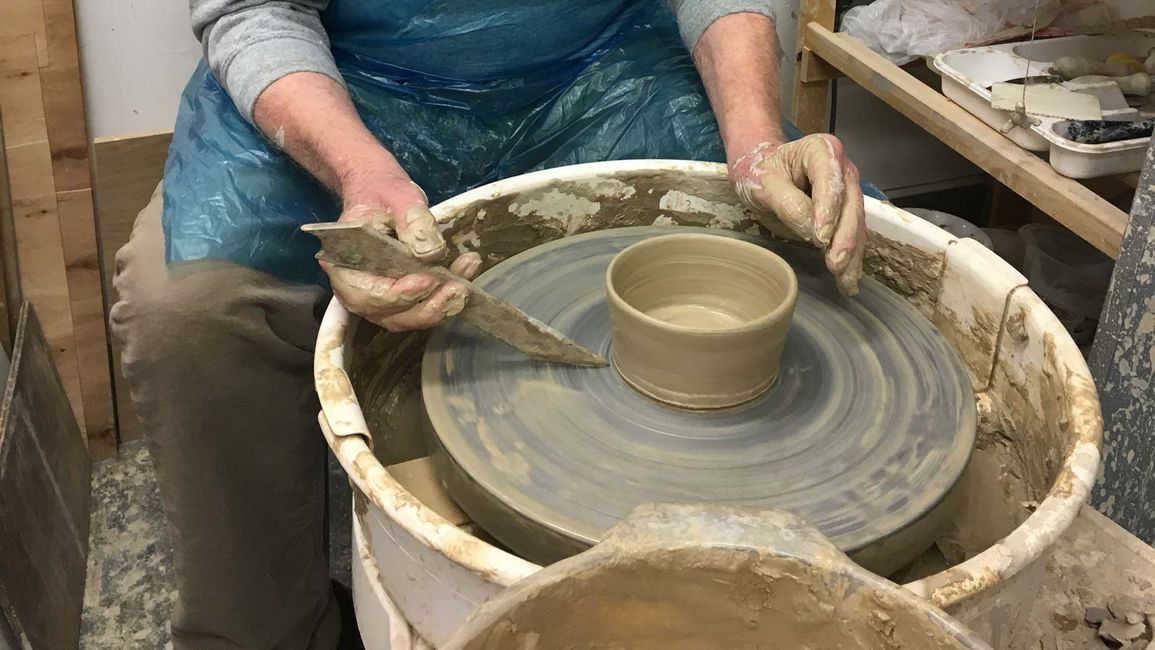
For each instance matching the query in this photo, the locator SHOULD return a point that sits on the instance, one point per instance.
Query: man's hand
(809, 184)
(415, 301)
(812, 188)
(312, 118)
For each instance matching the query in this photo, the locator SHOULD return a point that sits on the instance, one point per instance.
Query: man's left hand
(812, 188)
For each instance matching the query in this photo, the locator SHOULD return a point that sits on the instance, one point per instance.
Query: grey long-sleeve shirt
(249, 44)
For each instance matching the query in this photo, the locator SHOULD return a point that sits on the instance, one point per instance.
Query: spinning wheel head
(866, 429)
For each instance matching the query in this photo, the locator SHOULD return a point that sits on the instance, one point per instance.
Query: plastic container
(968, 74)
(1066, 271)
(1007, 244)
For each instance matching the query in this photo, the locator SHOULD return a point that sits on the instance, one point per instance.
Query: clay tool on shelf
(370, 248)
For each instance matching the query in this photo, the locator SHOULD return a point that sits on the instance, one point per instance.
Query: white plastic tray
(968, 74)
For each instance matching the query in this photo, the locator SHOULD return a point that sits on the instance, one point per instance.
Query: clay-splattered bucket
(707, 577)
(1039, 422)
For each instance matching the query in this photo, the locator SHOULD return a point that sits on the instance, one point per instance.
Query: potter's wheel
(866, 430)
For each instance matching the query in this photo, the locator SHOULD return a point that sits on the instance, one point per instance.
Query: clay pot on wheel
(699, 321)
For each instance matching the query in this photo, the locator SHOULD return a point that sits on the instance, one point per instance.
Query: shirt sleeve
(249, 44)
(695, 16)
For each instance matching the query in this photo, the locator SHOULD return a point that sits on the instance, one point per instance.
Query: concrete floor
(129, 592)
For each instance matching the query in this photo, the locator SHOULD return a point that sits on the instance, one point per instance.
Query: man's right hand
(411, 302)
(311, 117)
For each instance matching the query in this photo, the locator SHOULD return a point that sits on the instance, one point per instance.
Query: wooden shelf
(826, 54)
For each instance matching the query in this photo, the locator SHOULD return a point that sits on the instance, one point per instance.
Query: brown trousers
(218, 361)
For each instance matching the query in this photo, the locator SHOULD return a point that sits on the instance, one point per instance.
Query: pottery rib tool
(364, 247)
(1046, 101)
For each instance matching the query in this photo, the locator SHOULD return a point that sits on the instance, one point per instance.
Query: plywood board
(126, 171)
(44, 499)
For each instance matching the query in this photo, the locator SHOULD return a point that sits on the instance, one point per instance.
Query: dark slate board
(44, 499)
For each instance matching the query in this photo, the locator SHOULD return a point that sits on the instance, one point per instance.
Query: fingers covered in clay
(373, 296)
(414, 225)
(413, 302)
(812, 188)
(448, 300)
(822, 162)
(848, 243)
(418, 229)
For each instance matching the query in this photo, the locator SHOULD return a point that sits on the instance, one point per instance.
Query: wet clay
(699, 321)
(680, 587)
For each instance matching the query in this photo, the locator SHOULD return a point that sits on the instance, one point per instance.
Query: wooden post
(811, 109)
(1123, 364)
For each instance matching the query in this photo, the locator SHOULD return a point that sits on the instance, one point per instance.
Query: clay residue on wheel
(503, 226)
(385, 370)
(911, 272)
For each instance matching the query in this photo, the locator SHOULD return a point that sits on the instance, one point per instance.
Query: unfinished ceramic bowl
(699, 321)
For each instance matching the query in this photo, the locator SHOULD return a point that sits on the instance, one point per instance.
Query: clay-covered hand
(411, 302)
(814, 191)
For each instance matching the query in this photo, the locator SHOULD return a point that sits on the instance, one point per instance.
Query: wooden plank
(68, 144)
(811, 109)
(82, 267)
(20, 83)
(813, 68)
(25, 17)
(64, 100)
(39, 246)
(44, 499)
(1068, 202)
(40, 256)
(126, 171)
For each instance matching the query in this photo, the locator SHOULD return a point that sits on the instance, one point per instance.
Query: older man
(311, 110)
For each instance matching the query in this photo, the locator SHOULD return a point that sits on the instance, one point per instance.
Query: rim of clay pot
(760, 322)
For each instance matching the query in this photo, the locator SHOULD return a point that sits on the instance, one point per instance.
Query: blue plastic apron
(462, 92)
